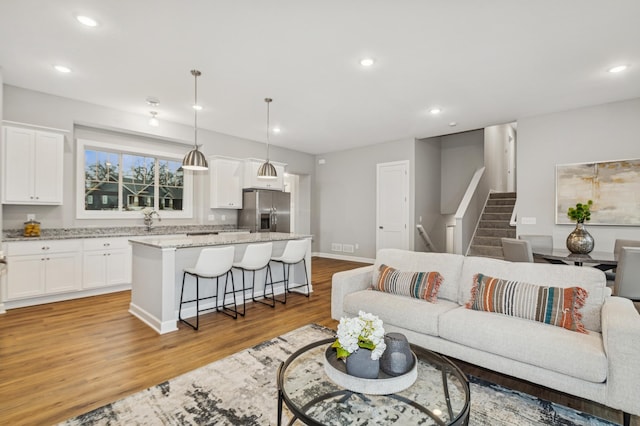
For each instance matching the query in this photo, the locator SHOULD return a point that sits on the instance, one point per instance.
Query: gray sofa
(601, 366)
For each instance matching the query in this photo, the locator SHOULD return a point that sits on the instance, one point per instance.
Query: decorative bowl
(383, 385)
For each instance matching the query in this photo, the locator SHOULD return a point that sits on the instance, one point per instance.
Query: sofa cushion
(420, 285)
(554, 348)
(550, 305)
(448, 265)
(590, 279)
(402, 311)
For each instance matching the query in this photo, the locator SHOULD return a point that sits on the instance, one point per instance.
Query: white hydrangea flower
(367, 327)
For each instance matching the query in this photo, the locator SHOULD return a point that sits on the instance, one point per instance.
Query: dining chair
(515, 250)
(627, 273)
(609, 270)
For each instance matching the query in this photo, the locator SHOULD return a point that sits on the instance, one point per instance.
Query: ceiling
(481, 62)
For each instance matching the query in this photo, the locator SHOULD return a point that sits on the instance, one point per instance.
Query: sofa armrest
(620, 335)
(347, 282)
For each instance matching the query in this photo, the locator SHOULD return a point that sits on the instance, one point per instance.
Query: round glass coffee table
(439, 396)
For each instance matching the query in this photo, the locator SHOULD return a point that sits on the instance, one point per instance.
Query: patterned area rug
(241, 390)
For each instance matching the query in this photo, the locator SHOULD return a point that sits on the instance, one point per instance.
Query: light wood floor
(63, 359)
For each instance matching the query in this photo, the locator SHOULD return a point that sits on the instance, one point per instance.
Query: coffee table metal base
(448, 371)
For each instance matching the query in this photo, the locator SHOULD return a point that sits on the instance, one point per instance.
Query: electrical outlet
(336, 247)
(347, 248)
(212, 217)
(31, 216)
(224, 217)
(357, 246)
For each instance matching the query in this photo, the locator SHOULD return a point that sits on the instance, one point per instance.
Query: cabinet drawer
(105, 243)
(19, 248)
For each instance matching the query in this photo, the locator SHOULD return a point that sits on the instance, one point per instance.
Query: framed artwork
(614, 187)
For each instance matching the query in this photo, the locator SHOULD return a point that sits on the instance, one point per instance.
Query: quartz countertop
(113, 231)
(183, 241)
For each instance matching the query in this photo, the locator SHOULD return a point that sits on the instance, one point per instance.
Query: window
(119, 183)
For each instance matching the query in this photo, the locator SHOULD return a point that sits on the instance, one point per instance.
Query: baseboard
(343, 257)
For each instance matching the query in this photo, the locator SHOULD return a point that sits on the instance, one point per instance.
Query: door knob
(381, 227)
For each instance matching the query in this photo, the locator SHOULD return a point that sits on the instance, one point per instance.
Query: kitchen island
(158, 264)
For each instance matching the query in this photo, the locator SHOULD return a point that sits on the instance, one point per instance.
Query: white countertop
(183, 241)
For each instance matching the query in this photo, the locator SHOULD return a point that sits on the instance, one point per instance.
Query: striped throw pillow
(421, 285)
(550, 305)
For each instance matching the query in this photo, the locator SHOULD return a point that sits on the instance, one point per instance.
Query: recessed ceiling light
(153, 121)
(366, 62)
(86, 20)
(152, 101)
(617, 68)
(435, 110)
(62, 68)
(276, 130)
(453, 124)
(197, 107)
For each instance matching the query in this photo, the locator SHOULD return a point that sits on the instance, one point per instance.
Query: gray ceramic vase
(397, 359)
(360, 364)
(580, 241)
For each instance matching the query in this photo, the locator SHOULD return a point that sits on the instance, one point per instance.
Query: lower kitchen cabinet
(42, 268)
(107, 261)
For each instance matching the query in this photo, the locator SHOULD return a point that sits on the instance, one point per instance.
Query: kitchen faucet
(148, 218)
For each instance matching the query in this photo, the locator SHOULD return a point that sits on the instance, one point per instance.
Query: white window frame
(81, 213)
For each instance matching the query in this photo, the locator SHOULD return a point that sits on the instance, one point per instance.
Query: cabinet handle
(37, 198)
(31, 197)
(45, 247)
(106, 244)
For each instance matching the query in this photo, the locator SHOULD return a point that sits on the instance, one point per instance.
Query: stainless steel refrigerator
(264, 210)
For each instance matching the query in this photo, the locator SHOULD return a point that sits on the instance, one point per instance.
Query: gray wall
(598, 133)
(427, 194)
(41, 109)
(462, 154)
(345, 195)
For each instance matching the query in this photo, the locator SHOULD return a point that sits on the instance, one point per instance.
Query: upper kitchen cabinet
(225, 176)
(32, 166)
(251, 179)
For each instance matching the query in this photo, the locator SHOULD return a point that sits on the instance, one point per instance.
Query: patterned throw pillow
(421, 285)
(550, 305)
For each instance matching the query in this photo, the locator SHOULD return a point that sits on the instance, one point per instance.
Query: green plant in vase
(580, 241)
(581, 212)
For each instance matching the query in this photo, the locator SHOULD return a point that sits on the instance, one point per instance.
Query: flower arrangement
(581, 212)
(364, 331)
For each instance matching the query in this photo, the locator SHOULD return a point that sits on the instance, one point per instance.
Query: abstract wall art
(614, 187)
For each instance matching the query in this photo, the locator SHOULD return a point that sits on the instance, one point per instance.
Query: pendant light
(195, 160)
(266, 170)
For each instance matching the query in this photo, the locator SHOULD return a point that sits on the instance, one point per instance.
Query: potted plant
(580, 241)
(360, 342)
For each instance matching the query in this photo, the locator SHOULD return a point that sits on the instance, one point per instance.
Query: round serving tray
(383, 385)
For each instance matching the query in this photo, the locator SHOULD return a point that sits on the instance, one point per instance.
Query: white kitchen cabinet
(32, 166)
(106, 262)
(38, 268)
(225, 182)
(251, 179)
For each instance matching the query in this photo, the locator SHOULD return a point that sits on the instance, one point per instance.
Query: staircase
(493, 225)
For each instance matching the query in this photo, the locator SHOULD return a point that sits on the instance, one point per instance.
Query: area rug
(241, 390)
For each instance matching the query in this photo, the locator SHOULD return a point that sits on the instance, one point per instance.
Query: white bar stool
(212, 263)
(256, 257)
(294, 253)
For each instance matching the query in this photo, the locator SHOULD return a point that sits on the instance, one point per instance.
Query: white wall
(598, 133)
(41, 109)
(427, 194)
(462, 154)
(345, 196)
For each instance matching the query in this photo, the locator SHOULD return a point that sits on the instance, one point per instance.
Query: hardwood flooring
(63, 359)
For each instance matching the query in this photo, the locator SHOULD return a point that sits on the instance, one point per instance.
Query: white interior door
(392, 205)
